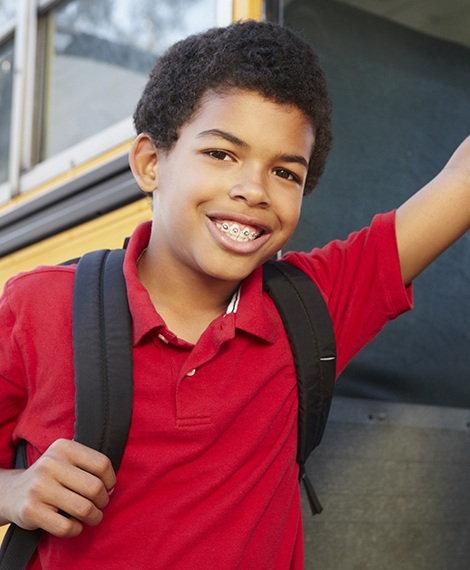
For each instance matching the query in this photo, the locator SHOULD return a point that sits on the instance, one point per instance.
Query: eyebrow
(239, 142)
(224, 135)
(294, 158)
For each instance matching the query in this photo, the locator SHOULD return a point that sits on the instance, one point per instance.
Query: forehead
(252, 117)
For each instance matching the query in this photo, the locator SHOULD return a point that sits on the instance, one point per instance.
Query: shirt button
(162, 338)
(191, 372)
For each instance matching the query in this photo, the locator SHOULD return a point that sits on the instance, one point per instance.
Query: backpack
(103, 351)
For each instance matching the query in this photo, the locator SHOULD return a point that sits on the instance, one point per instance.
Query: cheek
(290, 213)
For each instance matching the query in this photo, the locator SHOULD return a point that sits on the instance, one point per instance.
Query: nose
(251, 189)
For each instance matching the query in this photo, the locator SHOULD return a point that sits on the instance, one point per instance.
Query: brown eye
(287, 175)
(218, 154)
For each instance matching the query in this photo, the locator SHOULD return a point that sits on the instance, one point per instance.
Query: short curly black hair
(259, 56)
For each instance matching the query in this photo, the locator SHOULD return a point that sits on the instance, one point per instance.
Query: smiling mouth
(239, 232)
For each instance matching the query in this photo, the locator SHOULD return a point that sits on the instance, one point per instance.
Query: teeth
(236, 232)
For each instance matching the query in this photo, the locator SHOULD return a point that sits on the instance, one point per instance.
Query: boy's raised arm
(436, 216)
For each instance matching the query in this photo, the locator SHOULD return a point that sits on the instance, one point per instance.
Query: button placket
(194, 404)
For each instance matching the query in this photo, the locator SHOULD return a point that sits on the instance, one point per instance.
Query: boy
(233, 128)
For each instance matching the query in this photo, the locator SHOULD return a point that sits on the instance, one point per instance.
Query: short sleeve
(12, 390)
(361, 282)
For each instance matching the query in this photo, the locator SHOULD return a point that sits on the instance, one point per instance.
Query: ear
(143, 160)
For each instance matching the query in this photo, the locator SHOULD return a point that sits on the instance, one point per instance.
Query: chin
(233, 270)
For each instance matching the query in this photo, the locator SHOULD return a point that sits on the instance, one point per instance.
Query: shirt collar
(144, 316)
(254, 312)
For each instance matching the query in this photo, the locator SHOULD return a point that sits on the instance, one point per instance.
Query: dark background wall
(401, 103)
(392, 471)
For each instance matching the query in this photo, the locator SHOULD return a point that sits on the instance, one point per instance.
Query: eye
(287, 175)
(218, 154)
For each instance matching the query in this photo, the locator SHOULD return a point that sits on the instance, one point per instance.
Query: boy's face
(228, 194)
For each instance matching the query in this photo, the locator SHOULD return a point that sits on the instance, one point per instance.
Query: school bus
(70, 75)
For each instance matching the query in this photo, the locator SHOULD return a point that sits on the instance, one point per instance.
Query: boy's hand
(69, 477)
(436, 216)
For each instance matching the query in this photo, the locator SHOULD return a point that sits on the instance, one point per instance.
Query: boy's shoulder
(41, 273)
(43, 282)
(36, 310)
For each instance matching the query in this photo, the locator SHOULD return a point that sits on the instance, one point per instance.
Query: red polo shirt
(208, 478)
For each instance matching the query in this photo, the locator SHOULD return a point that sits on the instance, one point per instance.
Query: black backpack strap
(310, 332)
(18, 547)
(102, 338)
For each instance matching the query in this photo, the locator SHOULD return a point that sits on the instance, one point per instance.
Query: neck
(187, 301)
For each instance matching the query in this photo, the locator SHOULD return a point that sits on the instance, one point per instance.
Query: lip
(240, 219)
(228, 243)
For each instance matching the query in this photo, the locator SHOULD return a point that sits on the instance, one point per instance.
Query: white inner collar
(233, 305)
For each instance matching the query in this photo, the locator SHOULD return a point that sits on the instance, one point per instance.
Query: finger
(69, 488)
(34, 513)
(85, 485)
(50, 520)
(75, 506)
(86, 459)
